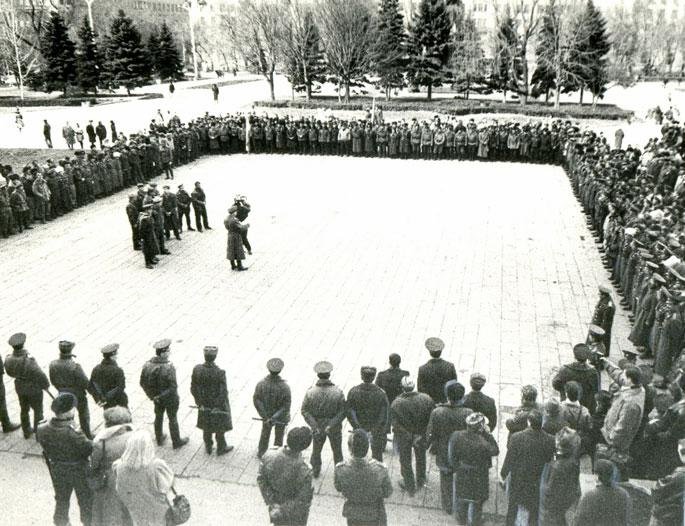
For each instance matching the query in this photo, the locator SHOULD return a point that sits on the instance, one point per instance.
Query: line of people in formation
(117, 477)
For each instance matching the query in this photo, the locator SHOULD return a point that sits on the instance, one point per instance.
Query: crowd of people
(632, 427)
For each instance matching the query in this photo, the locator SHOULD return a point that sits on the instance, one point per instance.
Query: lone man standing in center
(272, 400)
(324, 409)
(369, 410)
(436, 372)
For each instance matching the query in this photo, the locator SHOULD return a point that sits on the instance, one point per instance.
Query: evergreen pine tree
(153, 50)
(59, 55)
(467, 56)
(598, 46)
(303, 52)
(389, 50)
(169, 63)
(429, 39)
(505, 67)
(88, 63)
(543, 80)
(127, 60)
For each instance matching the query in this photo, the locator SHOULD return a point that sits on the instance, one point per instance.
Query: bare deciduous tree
(19, 43)
(347, 33)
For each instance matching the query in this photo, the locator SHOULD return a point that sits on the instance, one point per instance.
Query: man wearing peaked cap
(595, 341)
(67, 375)
(183, 200)
(583, 373)
(158, 380)
(436, 372)
(272, 399)
(639, 335)
(368, 409)
(324, 408)
(16, 341)
(210, 390)
(285, 480)
(29, 382)
(108, 381)
(158, 222)
(410, 413)
(364, 483)
(603, 315)
(67, 450)
(148, 236)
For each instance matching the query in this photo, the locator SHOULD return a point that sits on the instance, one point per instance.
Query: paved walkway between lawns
(354, 259)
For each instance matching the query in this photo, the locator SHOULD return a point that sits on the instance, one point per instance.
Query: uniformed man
(66, 451)
(390, 380)
(158, 380)
(158, 222)
(210, 391)
(16, 341)
(435, 373)
(364, 484)
(285, 480)
(368, 409)
(444, 420)
(170, 209)
(68, 376)
(603, 316)
(583, 373)
(410, 413)
(242, 209)
(132, 214)
(324, 408)
(29, 382)
(272, 400)
(480, 402)
(199, 200)
(595, 342)
(107, 380)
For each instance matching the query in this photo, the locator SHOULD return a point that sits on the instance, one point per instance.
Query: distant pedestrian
(172, 88)
(618, 139)
(215, 92)
(47, 134)
(79, 135)
(113, 130)
(90, 131)
(69, 135)
(101, 132)
(19, 120)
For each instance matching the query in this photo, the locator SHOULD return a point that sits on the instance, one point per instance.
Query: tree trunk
(271, 86)
(292, 92)
(339, 92)
(308, 85)
(430, 92)
(556, 99)
(308, 92)
(387, 93)
(547, 96)
(347, 91)
(523, 98)
(504, 95)
(582, 90)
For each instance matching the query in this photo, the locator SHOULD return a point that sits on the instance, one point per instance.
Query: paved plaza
(353, 259)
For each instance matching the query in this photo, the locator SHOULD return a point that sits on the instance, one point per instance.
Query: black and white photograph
(342, 262)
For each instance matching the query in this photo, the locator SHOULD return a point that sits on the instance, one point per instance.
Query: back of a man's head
(573, 390)
(535, 419)
(606, 472)
(454, 391)
(395, 360)
(633, 375)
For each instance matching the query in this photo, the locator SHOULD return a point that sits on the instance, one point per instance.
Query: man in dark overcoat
(479, 402)
(107, 381)
(603, 315)
(235, 252)
(132, 214)
(583, 373)
(148, 238)
(170, 209)
(471, 453)
(435, 373)
(528, 452)
(209, 389)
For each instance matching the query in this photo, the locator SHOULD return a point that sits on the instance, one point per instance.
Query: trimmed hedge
(223, 83)
(72, 101)
(461, 107)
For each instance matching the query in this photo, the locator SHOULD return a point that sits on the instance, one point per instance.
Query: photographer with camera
(241, 208)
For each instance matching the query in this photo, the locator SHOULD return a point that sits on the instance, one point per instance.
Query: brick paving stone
(353, 259)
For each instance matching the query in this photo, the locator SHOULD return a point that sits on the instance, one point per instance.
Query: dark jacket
(527, 454)
(433, 376)
(132, 214)
(29, 378)
(445, 419)
(367, 407)
(67, 375)
(158, 379)
(608, 506)
(63, 443)
(559, 487)
(668, 496)
(272, 399)
(410, 413)
(586, 375)
(482, 403)
(390, 381)
(364, 484)
(209, 389)
(108, 383)
(470, 457)
(285, 481)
